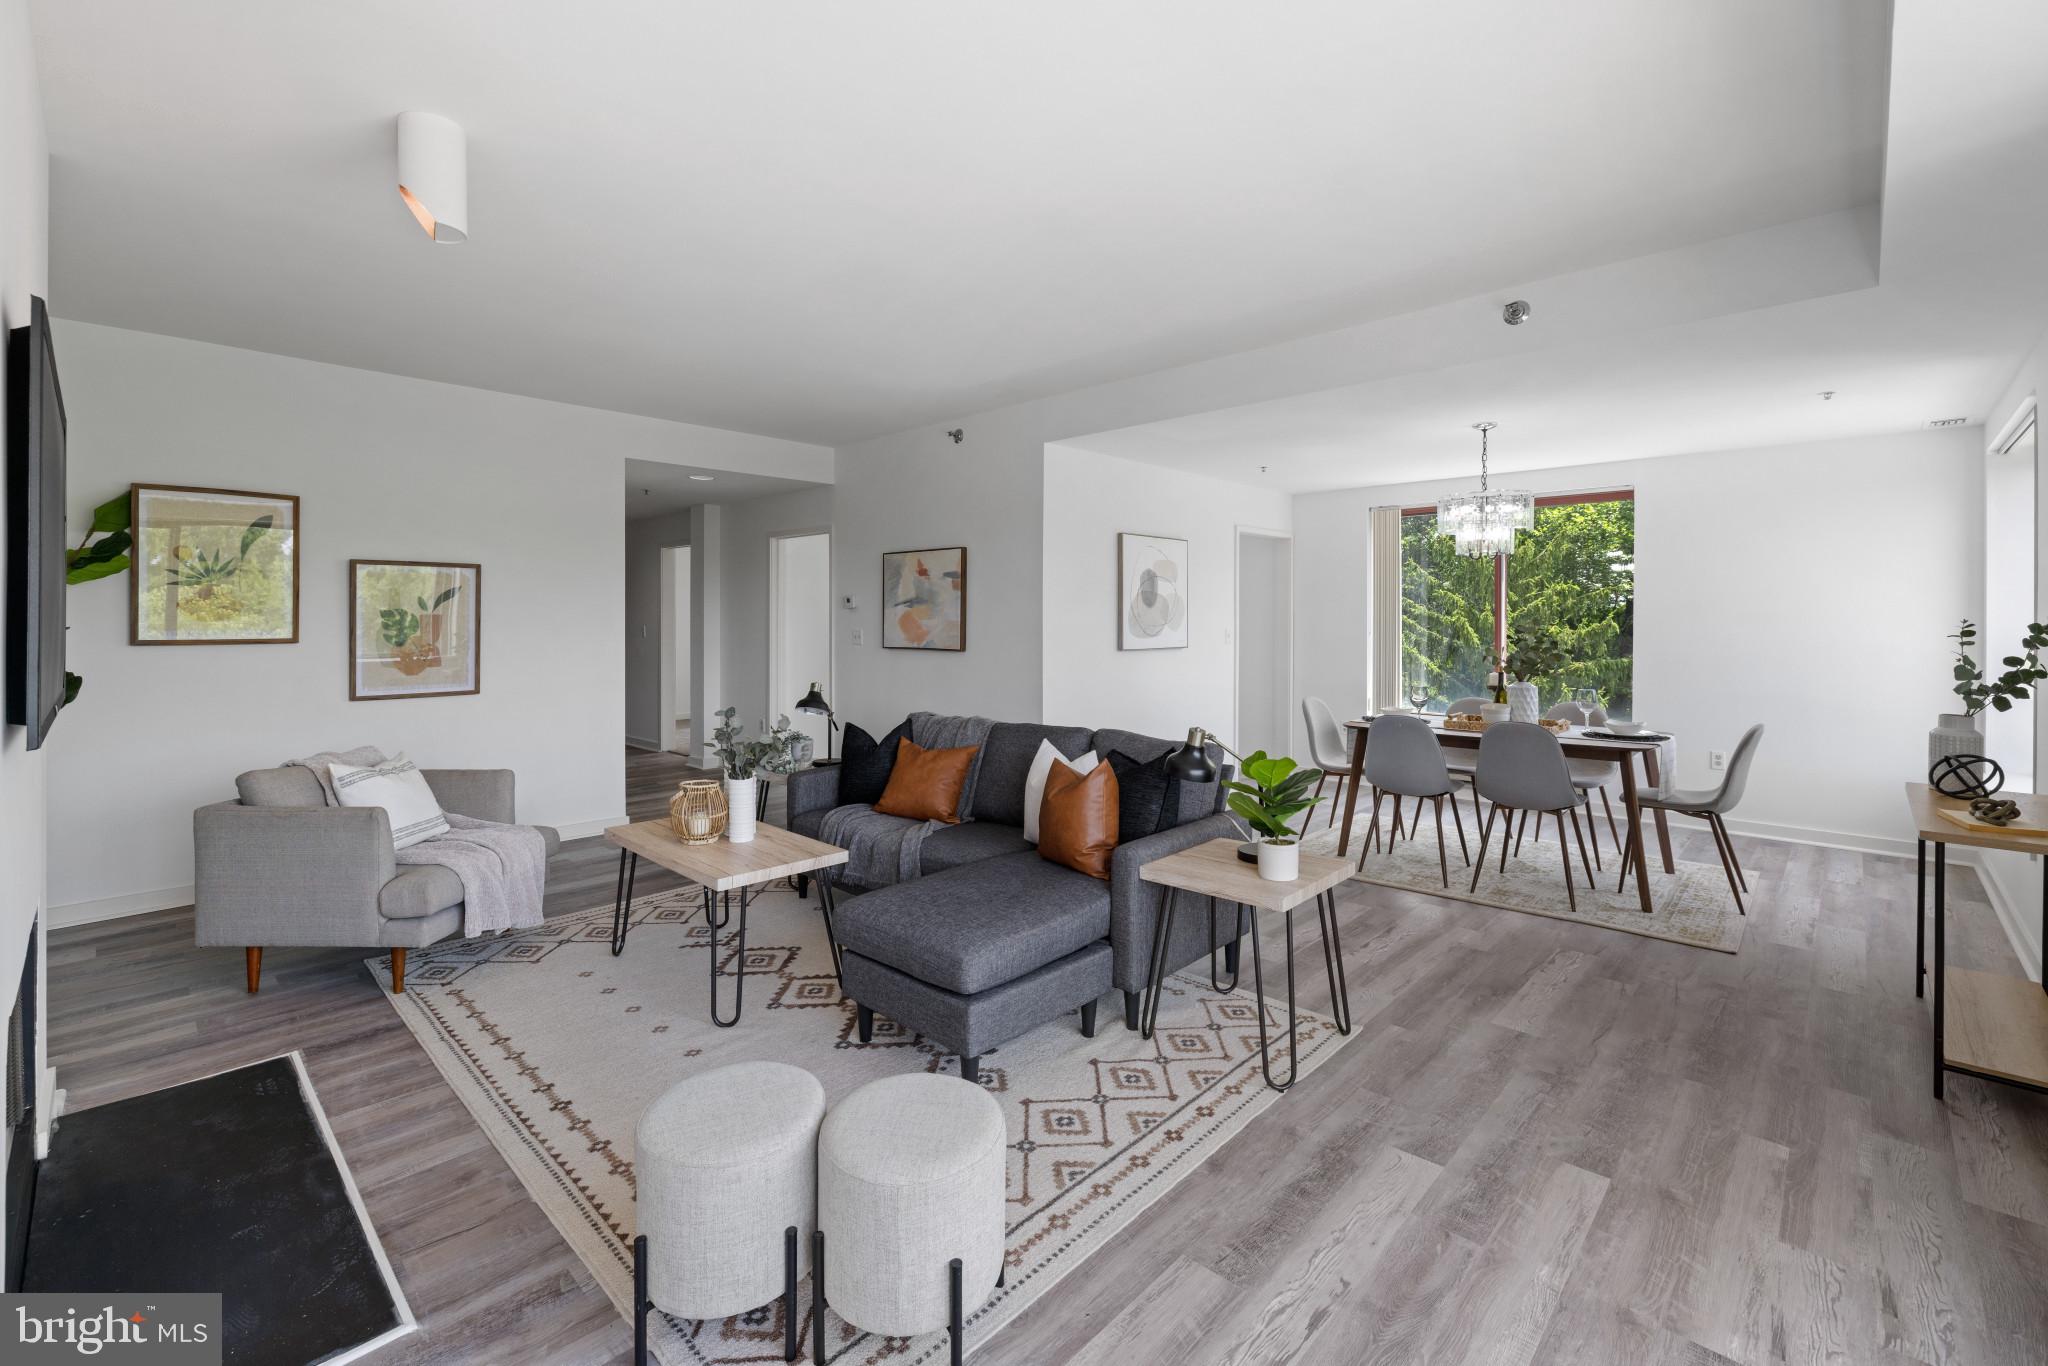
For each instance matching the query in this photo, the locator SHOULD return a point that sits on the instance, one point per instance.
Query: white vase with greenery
(1961, 732)
(739, 760)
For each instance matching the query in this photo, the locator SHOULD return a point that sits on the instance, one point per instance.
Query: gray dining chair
(1709, 805)
(1326, 748)
(1463, 762)
(1590, 776)
(1522, 769)
(1403, 759)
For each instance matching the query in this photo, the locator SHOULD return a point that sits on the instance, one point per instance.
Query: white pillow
(1034, 781)
(398, 786)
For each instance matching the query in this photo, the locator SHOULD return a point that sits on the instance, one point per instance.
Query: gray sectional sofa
(991, 940)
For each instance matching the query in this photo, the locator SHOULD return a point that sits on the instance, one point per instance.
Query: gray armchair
(280, 868)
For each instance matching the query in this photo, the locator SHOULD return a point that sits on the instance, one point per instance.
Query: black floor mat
(223, 1184)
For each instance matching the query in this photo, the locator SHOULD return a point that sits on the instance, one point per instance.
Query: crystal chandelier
(1484, 523)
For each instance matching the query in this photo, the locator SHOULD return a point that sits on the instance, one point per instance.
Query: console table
(2001, 1022)
(721, 868)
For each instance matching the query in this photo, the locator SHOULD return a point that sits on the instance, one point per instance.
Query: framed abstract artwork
(415, 629)
(924, 599)
(1152, 592)
(213, 567)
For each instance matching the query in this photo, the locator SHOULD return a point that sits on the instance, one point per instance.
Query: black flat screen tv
(35, 528)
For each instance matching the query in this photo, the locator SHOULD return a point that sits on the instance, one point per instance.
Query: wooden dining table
(1576, 744)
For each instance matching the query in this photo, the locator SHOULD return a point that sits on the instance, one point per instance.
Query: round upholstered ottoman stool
(910, 1207)
(726, 1168)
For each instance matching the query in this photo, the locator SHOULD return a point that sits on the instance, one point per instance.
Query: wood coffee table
(1213, 870)
(721, 868)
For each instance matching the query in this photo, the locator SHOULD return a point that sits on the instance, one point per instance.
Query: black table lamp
(814, 702)
(1191, 764)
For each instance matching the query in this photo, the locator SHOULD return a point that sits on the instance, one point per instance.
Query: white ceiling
(655, 490)
(1957, 295)
(827, 221)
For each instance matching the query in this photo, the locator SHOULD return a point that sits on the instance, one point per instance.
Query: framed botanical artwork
(415, 629)
(213, 566)
(924, 599)
(1151, 592)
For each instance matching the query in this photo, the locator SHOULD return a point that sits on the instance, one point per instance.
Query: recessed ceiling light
(701, 478)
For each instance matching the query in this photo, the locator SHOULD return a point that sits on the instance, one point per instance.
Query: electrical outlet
(1717, 760)
(859, 636)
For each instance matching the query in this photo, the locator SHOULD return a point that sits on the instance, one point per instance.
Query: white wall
(916, 490)
(645, 539)
(749, 527)
(1807, 587)
(24, 270)
(801, 653)
(1088, 681)
(384, 465)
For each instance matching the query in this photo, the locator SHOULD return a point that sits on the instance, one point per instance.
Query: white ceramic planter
(739, 809)
(1279, 862)
(1524, 703)
(1956, 733)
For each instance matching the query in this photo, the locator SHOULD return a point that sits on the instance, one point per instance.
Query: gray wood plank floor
(1550, 1144)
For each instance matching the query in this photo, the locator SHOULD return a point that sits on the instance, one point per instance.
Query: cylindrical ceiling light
(433, 174)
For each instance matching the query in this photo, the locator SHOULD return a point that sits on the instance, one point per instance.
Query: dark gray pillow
(1148, 798)
(867, 763)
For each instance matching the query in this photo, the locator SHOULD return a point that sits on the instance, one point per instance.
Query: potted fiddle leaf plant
(1277, 792)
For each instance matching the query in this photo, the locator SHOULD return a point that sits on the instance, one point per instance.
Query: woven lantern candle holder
(697, 812)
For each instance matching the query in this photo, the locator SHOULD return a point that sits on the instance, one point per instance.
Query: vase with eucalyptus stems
(1960, 732)
(739, 763)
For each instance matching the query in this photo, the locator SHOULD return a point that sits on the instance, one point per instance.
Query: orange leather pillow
(1077, 819)
(925, 785)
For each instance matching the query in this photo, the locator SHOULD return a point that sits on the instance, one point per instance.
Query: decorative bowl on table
(1556, 726)
(1465, 720)
(1627, 727)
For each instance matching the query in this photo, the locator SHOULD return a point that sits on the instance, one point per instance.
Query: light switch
(859, 637)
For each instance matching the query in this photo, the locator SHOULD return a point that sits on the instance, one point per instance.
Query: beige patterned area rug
(556, 1047)
(1691, 906)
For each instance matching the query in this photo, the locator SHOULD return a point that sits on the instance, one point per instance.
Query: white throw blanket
(504, 871)
(503, 868)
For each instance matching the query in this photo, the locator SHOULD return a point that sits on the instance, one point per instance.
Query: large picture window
(1571, 582)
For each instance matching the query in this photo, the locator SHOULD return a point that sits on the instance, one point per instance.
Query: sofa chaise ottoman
(991, 940)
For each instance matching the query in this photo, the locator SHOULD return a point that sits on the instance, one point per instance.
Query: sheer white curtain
(1384, 590)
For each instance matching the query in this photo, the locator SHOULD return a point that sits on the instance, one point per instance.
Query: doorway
(800, 628)
(675, 649)
(1265, 641)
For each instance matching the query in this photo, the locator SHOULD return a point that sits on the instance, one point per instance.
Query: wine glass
(1418, 693)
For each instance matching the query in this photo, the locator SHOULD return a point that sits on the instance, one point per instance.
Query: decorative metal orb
(1966, 775)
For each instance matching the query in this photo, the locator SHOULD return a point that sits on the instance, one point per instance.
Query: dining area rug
(1691, 906)
(556, 1047)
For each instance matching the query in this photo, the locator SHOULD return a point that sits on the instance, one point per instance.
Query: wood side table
(1213, 870)
(721, 868)
(2001, 1021)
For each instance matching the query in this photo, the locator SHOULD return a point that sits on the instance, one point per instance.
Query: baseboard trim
(119, 907)
(585, 829)
(1827, 839)
(643, 743)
